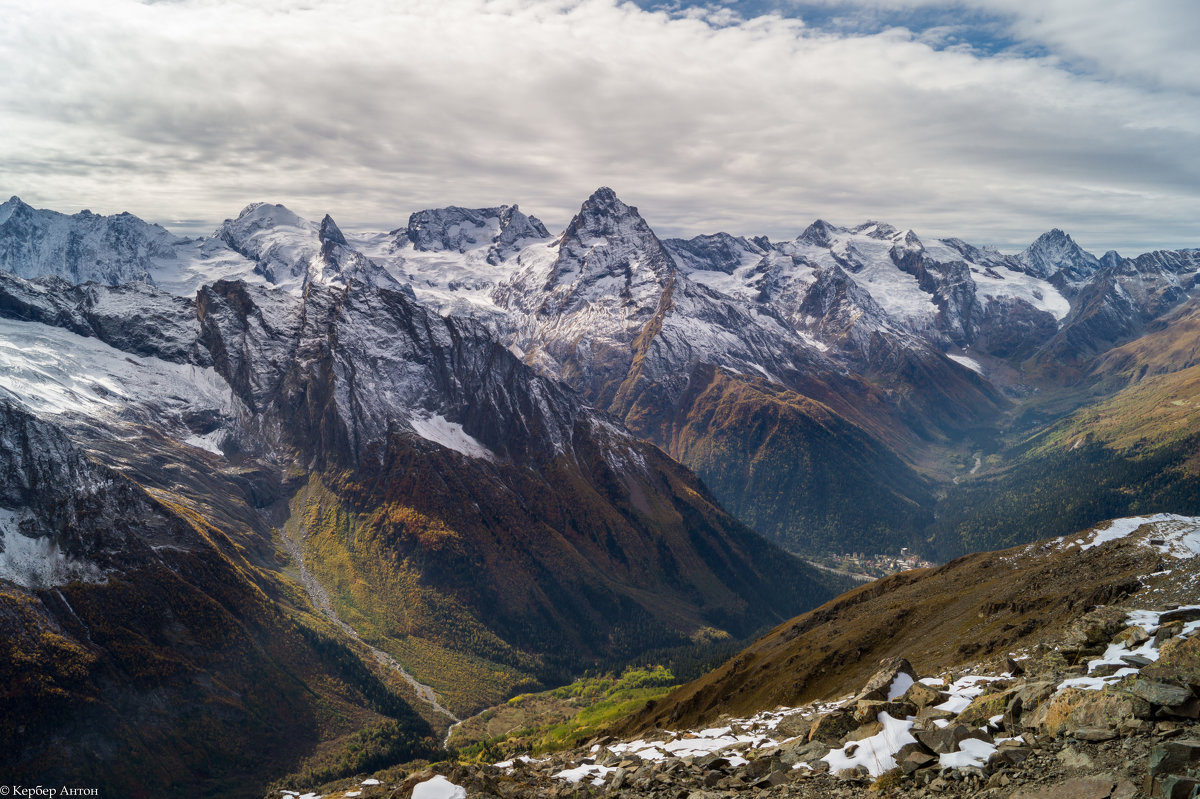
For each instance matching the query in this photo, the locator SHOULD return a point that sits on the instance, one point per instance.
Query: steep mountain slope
(407, 413)
(143, 651)
(1115, 307)
(1171, 344)
(793, 469)
(609, 309)
(472, 519)
(973, 609)
(1128, 446)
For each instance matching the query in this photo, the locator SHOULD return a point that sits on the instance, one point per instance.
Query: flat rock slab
(1081, 788)
(1182, 614)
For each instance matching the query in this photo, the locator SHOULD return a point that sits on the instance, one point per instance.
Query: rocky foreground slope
(1101, 703)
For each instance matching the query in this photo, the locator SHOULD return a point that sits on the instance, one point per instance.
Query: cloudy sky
(992, 120)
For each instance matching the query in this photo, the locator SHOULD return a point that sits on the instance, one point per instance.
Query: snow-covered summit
(1055, 252)
(461, 229)
(271, 244)
(719, 252)
(81, 247)
(608, 257)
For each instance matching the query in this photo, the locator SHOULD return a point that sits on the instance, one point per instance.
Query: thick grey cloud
(370, 109)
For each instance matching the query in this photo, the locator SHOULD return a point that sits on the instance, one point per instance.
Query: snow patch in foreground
(440, 430)
(438, 788)
(877, 753)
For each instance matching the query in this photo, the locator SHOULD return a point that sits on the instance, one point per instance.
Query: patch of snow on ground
(597, 774)
(440, 430)
(438, 788)
(210, 442)
(877, 753)
(899, 686)
(1172, 534)
(962, 691)
(38, 562)
(971, 752)
(1119, 528)
(970, 363)
(1117, 653)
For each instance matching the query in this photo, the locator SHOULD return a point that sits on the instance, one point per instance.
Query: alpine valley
(287, 502)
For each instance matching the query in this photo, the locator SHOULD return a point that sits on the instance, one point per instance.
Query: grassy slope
(971, 609)
(796, 471)
(1135, 452)
(562, 717)
(486, 579)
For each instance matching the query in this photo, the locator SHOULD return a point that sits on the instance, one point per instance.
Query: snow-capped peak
(81, 247)
(454, 229)
(877, 230)
(1054, 252)
(255, 218)
(9, 206)
(820, 233)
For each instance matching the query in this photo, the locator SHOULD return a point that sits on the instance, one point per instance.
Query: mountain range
(466, 457)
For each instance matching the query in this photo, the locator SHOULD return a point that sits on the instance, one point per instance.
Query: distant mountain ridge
(917, 349)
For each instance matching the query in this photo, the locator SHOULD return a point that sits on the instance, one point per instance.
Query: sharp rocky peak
(330, 232)
(1055, 252)
(12, 206)
(603, 215)
(820, 233)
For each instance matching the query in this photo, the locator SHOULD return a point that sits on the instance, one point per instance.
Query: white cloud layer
(371, 109)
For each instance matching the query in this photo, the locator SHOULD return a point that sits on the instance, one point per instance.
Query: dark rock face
(1009, 327)
(85, 521)
(952, 290)
(346, 367)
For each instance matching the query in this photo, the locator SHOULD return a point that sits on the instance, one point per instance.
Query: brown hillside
(973, 608)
